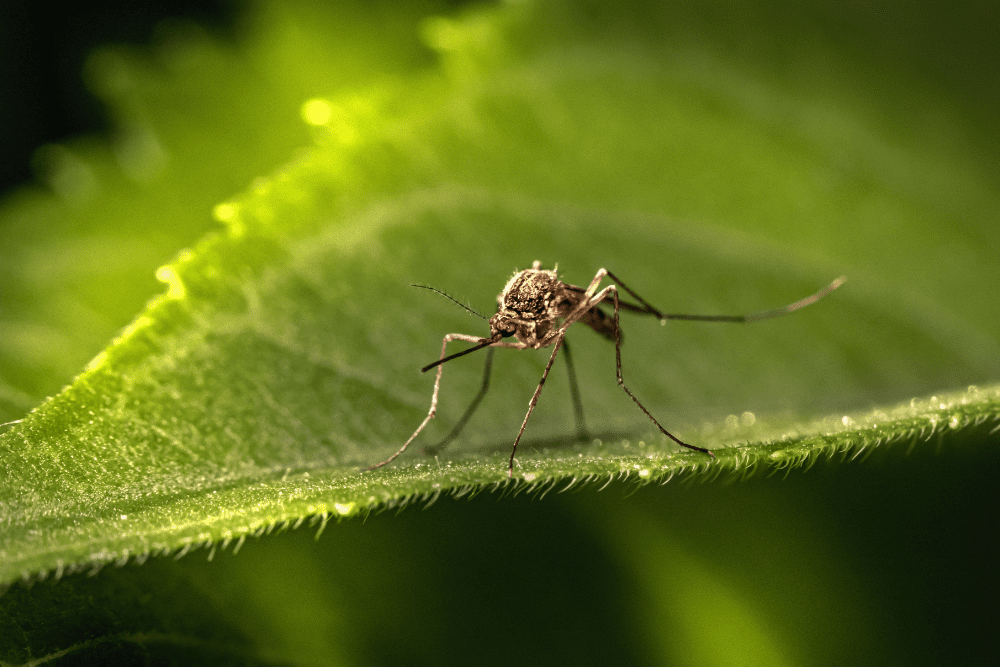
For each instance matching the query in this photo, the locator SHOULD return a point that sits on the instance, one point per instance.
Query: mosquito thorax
(529, 293)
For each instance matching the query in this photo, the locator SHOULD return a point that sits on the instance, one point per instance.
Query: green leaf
(283, 356)
(281, 359)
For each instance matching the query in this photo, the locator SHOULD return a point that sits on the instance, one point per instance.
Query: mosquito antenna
(451, 298)
(763, 314)
(486, 343)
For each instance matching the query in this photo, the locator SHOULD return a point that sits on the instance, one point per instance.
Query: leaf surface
(283, 356)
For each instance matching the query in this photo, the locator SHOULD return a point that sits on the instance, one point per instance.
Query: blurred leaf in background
(719, 160)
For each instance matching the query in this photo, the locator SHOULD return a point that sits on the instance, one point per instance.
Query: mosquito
(536, 309)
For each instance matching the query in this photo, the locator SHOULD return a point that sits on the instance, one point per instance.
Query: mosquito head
(502, 325)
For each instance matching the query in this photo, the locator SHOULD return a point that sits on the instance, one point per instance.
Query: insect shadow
(535, 310)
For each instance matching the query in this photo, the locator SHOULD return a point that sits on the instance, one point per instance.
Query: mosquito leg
(647, 308)
(592, 288)
(751, 317)
(621, 382)
(487, 370)
(532, 402)
(574, 390)
(434, 398)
